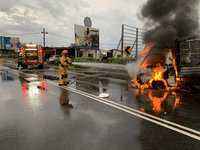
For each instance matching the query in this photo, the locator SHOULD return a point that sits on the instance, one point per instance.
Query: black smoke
(168, 20)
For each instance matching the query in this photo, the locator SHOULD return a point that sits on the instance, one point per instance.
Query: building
(100, 53)
(57, 51)
(9, 46)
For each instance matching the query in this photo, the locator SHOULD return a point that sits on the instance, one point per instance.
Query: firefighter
(63, 68)
(19, 61)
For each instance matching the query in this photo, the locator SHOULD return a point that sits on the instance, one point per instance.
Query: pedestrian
(63, 68)
(19, 61)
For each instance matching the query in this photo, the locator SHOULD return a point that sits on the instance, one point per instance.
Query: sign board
(86, 37)
(127, 50)
(2, 42)
(9, 43)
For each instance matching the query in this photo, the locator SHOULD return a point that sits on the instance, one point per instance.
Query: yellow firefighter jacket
(64, 61)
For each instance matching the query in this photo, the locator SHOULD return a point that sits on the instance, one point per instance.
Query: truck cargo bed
(189, 72)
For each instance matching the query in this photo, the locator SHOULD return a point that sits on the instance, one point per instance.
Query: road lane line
(132, 113)
(145, 114)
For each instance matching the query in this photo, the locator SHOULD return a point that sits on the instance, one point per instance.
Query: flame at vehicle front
(158, 76)
(158, 70)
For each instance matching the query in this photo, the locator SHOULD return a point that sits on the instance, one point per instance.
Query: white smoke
(134, 68)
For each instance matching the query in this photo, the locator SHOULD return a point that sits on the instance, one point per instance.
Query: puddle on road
(33, 84)
(6, 76)
(164, 103)
(159, 103)
(97, 86)
(105, 73)
(155, 102)
(34, 90)
(92, 87)
(179, 107)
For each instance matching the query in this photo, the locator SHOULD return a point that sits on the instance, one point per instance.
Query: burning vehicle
(173, 61)
(169, 68)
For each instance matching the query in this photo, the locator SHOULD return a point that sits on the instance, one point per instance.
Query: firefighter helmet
(65, 51)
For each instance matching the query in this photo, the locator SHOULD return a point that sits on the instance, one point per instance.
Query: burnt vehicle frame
(181, 64)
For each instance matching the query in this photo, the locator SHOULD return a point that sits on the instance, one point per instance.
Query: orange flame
(158, 100)
(146, 50)
(143, 65)
(158, 76)
(144, 53)
(157, 73)
(175, 67)
(139, 85)
(157, 97)
(177, 100)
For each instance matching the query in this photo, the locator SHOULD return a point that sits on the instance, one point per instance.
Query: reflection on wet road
(32, 115)
(33, 87)
(161, 102)
(179, 107)
(5, 76)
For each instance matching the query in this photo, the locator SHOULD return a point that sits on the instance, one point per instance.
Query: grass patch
(121, 60)
(76, 67)
(87, 59)
(9, 57)
(99, 60)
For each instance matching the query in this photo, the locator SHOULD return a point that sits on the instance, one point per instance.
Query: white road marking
(137, 113)
(145, 114)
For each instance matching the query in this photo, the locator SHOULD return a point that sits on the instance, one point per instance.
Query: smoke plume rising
(133, 68)
(168, 20)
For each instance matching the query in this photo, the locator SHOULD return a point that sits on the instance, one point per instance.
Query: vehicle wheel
(158, 85)
(24, 66)
(40, 67)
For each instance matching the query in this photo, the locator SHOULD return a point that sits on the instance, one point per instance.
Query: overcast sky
(59, 16)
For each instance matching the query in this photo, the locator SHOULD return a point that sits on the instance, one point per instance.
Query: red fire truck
(32, 55)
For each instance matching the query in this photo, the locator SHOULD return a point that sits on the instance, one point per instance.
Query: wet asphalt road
(31, 116)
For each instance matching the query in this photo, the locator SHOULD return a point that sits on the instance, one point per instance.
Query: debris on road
(104, 95)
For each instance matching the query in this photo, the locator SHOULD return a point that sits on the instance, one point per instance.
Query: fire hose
(86, 76)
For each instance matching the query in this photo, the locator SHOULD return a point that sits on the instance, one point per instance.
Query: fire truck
(32, 55)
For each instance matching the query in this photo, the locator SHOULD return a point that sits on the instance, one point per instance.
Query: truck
(32, 55)
(180, 65)
(188, 58)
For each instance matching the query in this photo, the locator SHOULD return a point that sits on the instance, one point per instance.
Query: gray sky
(59, 16)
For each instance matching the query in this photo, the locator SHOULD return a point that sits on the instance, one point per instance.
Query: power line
(60, 36)
(73, 39)
(108, 43)
(23, 34)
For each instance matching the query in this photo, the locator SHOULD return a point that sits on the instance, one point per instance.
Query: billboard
(86, 37)
(2, 46)
(9, 43)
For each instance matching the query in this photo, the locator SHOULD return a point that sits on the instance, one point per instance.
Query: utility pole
(43, 32)
(136, 44)
(122, 41)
